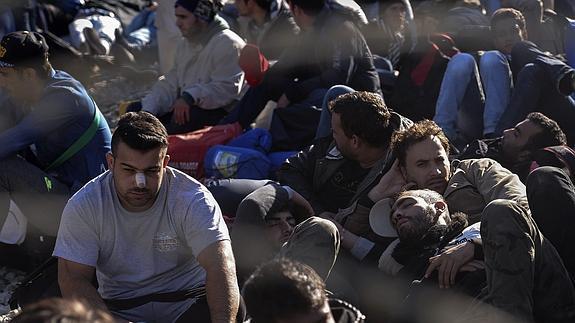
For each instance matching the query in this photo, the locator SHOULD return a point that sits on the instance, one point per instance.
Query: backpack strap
(79, 143)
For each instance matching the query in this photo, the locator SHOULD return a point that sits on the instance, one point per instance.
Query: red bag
(187, 151)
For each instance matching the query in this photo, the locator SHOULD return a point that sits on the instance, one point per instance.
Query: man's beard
(417, 228)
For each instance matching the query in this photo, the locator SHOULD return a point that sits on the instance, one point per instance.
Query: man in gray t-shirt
(153, 236)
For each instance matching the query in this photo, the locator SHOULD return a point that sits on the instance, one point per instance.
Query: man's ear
(110, 160)
(29, 73)
(166, 160)
(355, 141)
(524, 155)
(440, 207)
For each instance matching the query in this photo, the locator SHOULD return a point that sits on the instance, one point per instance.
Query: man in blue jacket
(64, 134)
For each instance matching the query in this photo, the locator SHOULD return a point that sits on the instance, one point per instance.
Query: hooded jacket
(206, 69)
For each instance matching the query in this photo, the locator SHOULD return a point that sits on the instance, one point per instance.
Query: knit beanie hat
(202, 9)
(386, 3)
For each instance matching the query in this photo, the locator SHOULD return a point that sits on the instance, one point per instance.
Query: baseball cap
(380, 218)
(23, 48)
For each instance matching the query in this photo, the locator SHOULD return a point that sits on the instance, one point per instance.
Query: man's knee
(461, 63)
(492, 59)
(504, 215)
(545, 180)
(533, 72)
(318, 228)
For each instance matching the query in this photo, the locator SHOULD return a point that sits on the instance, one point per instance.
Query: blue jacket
(54, 123)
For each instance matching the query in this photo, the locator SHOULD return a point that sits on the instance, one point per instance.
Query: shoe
(94, 41)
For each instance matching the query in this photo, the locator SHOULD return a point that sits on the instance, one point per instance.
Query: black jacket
(332, 52)
(275, 36)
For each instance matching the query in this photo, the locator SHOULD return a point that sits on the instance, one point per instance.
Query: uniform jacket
(208, 70)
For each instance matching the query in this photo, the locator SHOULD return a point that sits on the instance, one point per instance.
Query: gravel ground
(108, 91)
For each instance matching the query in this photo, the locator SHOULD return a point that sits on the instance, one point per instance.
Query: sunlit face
(188, 23)
(515, 139)
(394, 16)
(343, 142)
(125, 166)
(427, 165)
(507, 33)
(320, 315)
(16, 83)
(411, 217)
(279, 227)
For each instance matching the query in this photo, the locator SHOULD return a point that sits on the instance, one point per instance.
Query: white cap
(380, 218)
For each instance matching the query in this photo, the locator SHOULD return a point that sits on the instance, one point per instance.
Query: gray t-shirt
(141, 253)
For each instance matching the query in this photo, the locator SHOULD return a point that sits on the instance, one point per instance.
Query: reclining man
(69, 138)
(154, 236)
(525, 275)
(275, 221)
(206, 77)
(516, 148)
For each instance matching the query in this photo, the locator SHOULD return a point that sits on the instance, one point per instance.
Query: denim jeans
(460, 100)
(498, 84)
(141, 31)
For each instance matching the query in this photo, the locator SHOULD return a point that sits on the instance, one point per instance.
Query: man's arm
(494, 181)
(221, 283)
(75, 281)
(298, 172)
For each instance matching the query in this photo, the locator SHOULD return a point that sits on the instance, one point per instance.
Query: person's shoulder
(62, 88)
(183, 186)
(92, 191)
(231, 37)
(478, 164)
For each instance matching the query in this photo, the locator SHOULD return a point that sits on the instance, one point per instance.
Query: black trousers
(200, 312)
(551, 197)
(199, 118)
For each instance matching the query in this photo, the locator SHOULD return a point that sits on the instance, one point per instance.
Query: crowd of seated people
(432, 178)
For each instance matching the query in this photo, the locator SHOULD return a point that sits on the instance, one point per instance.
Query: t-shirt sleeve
(204, 223)
(77, 236)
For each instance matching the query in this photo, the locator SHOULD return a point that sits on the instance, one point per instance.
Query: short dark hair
(141, 131)
(62, 310)
(509, 13)
(365, 115)
(43, 70)
(310, 7)
(550, 134)
(264, 4)
(418, 132)
(283, 288)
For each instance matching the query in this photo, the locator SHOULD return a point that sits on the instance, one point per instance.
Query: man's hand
(390, 183)
(75, 281)
(181, 112)
(283, 101)
(450, 262)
